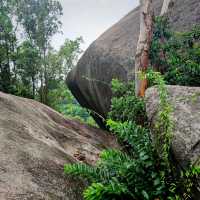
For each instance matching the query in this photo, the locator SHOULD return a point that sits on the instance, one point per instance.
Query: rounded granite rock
(112, 55)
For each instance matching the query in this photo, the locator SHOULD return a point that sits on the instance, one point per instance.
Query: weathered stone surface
(186, 118)
(185, 102)
(112, 54)
(35, 143)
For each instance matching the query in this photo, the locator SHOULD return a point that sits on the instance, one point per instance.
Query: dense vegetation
(176, 55)
(29, 66)
(143, 169)
(139, 171)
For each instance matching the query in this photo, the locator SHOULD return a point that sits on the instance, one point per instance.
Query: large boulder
(35, 143)
(185, 102)
(112, 55)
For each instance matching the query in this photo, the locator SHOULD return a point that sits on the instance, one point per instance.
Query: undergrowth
(143, 170)
(176, 54)
(124, 105)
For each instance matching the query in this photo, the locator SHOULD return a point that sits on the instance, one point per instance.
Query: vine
(143, 170)
(164, 123)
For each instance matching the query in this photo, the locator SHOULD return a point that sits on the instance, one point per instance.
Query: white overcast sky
(90, 18)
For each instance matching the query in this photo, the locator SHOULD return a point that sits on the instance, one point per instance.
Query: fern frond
(113, 155)
(135, 135)
(114, 159)
(114, 190)
(83, 170)
(91, 173)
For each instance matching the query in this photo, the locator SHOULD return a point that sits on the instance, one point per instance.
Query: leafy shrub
(120, 175)
(123, 175)
(176, 55)
(139, 172)
(125, 106)
(143, 170)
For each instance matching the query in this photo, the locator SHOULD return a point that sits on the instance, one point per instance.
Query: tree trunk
(46, 87)
(143, 46)
(41, 88)
(7, 73)
(165, 7)
(33, 86)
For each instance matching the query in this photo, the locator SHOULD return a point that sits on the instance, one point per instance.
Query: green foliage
(125, 106)
(83, 170)
(27, 63)
(142, 171)
(33, 69)
(164, 124)
(69, 53)
(30, 67)
(122, 175)
(22, 64)
(7, 45)
(98, 191)
(40, 19)
(176, 55)
(63, 101)
(134, 136)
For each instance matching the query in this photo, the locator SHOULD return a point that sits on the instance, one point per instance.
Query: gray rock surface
(112, 55)
(35, 143)
(185, 102)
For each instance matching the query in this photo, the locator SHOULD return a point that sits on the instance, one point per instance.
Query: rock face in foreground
(186, 117)
(35, 143)
(112, 54)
